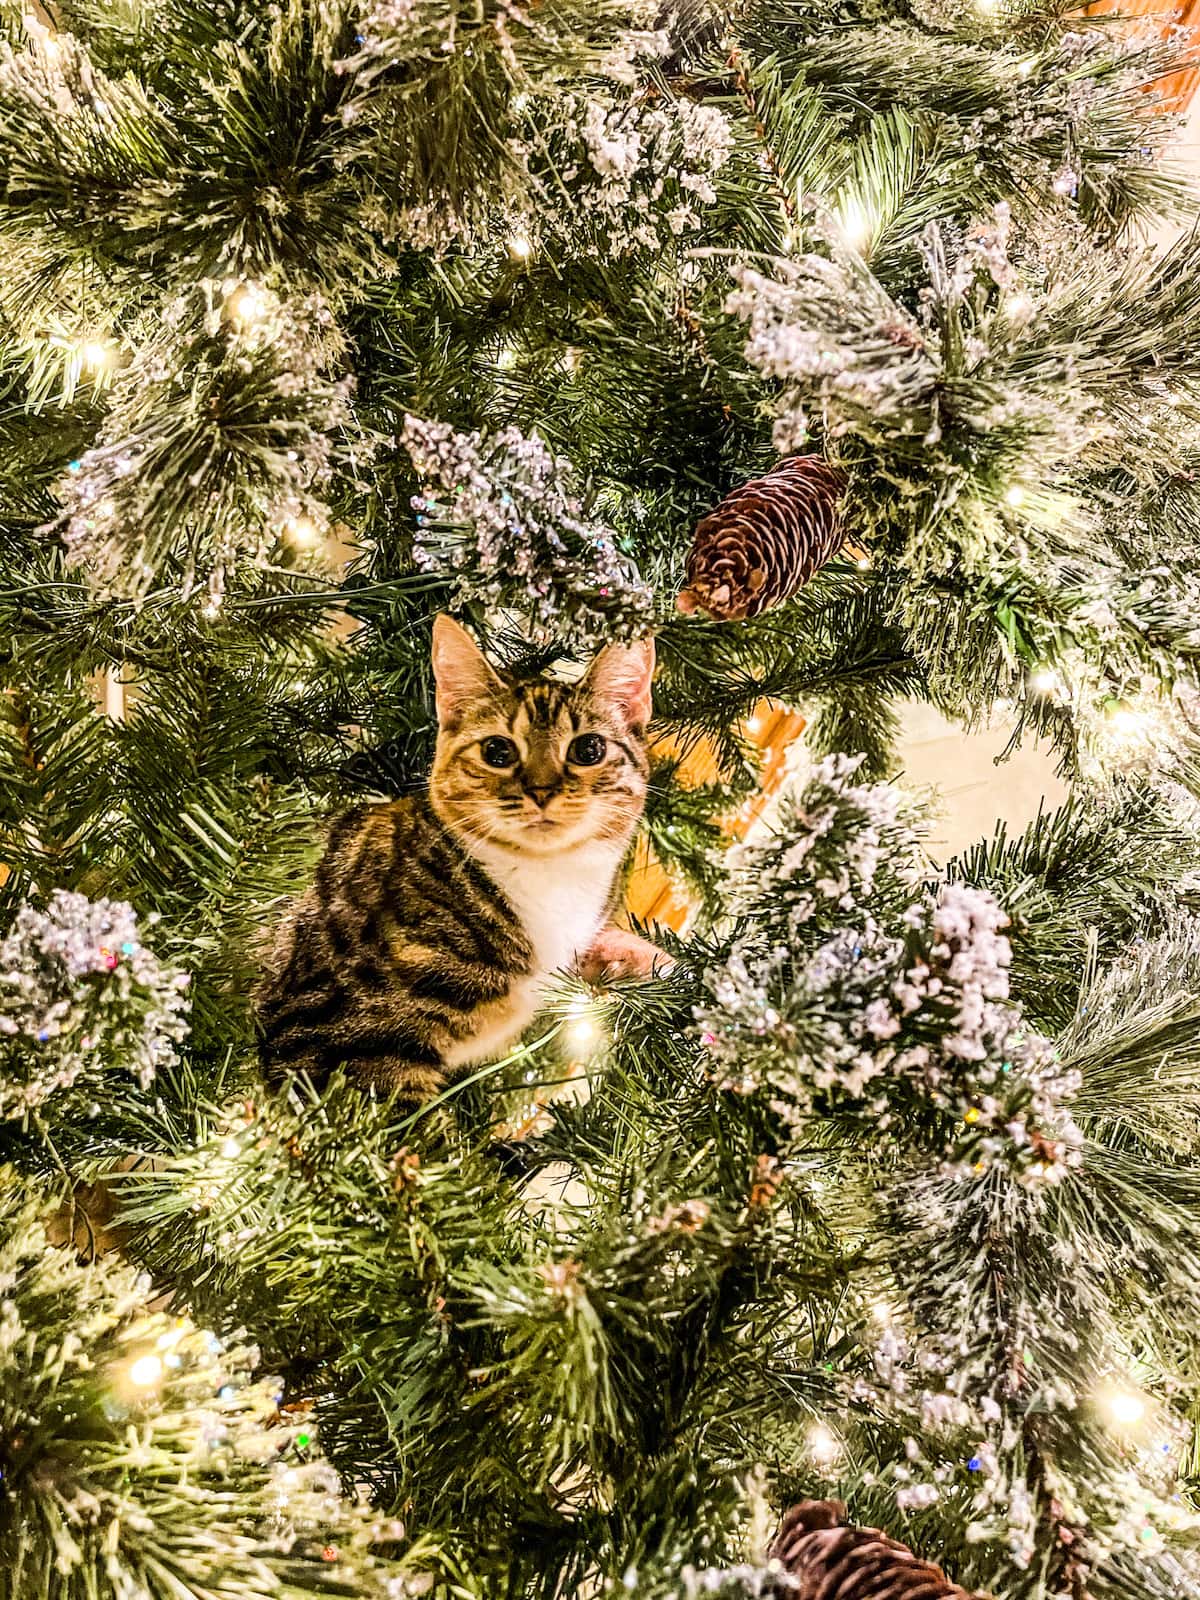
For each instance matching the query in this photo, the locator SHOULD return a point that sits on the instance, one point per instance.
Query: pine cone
(826, 1561)
(765, 540)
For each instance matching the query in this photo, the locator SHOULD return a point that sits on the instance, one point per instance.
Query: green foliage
(137, 1455)
(876, 1184)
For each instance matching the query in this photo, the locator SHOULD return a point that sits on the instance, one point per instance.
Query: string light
(754, 724)
(583, 1029)
(857, 224)
(863, 563)
(1123, 719)
(1124, 1407)
(520, 246)
(146, 1371)
(823, 1447)
(247, 305)
(301, 531)
(1014, 494)
(97, 355)
(1044, 681)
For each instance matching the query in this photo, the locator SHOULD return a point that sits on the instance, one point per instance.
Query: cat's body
(436, 923)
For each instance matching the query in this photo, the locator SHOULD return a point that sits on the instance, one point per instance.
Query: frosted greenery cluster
(321, 317)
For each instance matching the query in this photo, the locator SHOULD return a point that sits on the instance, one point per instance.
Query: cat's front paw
(617, 954)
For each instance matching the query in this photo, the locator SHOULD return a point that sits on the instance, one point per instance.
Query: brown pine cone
(764, 541)
(826, 1561)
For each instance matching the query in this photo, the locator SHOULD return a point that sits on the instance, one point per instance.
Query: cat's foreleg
(616, 953)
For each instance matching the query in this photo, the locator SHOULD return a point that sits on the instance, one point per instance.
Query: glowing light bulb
(1014, 494)
(857, 224)
(301, 531)
(230, 1148)
(582, 1028)
(754, 724)
(1019, 306)
(146, 1371)
(863, 563)
(247, 305)
(822, 1445)
(520, 246)
(1044, 680)
(1124, 1407)
(97, 356)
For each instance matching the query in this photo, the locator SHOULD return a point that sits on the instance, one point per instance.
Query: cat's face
(539, 766)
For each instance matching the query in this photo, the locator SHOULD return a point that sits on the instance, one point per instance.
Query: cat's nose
(540, 793)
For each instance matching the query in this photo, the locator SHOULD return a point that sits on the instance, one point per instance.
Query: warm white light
(97, 356)
(520, 246)
(146, 1371)
(1124, 1407)
(822, 1445)
(857, 224)
(247, 305)
(230, 1148)
(1019, 306)
(863, 563)
(1043, 681)
(1014, 494)
(582, 1027)
(301, 531)
(754, 724)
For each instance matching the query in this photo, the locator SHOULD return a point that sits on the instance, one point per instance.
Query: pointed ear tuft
(622, 673)
(461, 673)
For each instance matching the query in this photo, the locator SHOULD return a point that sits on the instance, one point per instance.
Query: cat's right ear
(461, 673)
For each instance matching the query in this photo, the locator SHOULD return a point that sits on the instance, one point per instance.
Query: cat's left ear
(622, 673)
(460, 671)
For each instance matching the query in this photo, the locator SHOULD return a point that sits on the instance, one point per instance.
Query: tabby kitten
(435, 922)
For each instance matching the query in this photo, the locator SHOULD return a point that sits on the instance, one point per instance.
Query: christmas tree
(822, 339)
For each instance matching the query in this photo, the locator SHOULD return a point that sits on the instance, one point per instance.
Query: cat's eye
(499, 752)
(587, 750)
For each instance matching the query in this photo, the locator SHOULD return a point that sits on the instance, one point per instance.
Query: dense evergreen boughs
(889, 1189)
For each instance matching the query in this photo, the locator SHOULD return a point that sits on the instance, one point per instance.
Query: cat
(436, 922)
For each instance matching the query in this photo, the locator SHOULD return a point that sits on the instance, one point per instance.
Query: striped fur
(435, 922)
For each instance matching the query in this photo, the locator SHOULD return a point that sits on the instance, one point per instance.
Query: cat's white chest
(561, 900)
(561, 903)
